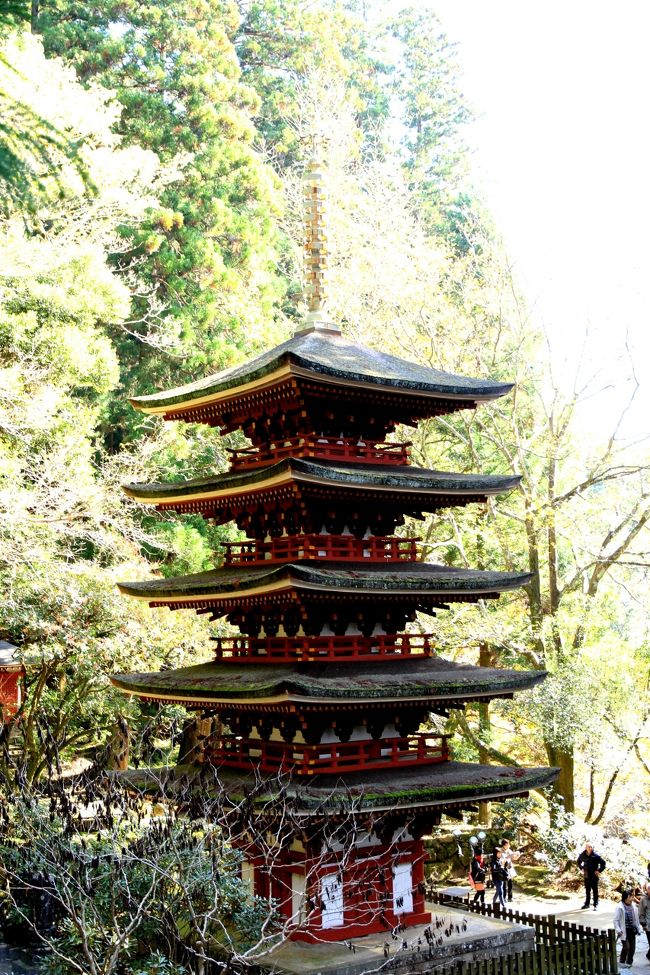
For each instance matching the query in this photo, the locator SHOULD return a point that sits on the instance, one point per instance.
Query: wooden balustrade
(351, 756)
(323, 448)
(308, 649)
(341, 548)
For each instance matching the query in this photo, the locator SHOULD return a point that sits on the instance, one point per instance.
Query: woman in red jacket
(477, 873)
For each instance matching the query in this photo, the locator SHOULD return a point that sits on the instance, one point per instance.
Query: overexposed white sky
(561, 153)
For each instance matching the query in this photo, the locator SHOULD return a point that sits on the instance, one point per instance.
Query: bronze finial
(316, 249)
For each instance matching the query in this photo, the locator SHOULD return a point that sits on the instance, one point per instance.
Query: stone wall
(443, 862)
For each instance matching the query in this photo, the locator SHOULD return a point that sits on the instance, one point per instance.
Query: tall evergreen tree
(280, 42)
(207, 256)
(63, 528)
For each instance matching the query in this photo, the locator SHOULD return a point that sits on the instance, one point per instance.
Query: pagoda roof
(335, 578)
(425, 786)
(362, 477)
(446, 785)
(427, 680)
(327, 356)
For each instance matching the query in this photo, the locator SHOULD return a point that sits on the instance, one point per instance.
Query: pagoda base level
(371, 887)
(483, 938)
(362, 930)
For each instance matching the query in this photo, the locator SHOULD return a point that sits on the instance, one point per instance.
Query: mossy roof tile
(366, 476)
(433, 786)
(415, 577)
(330, 354)
(430, 679)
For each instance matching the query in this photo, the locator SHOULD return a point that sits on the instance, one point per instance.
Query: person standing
(477, 873)
(508, 856)
(626, 925)
(592, 865)
(499, 878)
(644, 914)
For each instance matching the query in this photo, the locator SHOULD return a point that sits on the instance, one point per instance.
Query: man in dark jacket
(592, 865)
(499, 878)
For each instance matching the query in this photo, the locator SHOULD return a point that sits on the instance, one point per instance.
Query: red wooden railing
(291, 649)
(342, 548)
(275, 756)
(324, 448)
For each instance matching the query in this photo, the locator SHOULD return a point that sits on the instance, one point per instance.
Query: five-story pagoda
(326, 683)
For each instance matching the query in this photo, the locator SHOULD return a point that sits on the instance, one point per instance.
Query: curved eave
(419, 482)
(331, 360)
(406, 579)
(447, 784)
(203, 699)
(264, 685)
(500, 783)
(450, 785)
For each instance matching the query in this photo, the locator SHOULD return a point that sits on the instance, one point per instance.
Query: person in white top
(644, 914)
(626, 925)
(508, 856)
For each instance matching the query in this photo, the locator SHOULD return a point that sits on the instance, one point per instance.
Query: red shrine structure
(12, 675)
(327, 683)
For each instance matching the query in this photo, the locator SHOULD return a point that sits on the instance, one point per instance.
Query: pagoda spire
(316, 250)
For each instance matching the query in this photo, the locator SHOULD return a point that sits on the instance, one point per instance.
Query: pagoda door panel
(297, 898)
(403, 888)
(331, 895)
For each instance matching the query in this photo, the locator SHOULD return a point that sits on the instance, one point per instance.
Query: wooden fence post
(542, 956)
(561, 947)
(613, 952)
(575, 956)
(592, 956)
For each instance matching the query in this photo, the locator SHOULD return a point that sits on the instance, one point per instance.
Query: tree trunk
(118, 748)
(553, 557)
(485, 659)
(533, 589)
(592, 793)
(564, 786)
(33, 16)
(610, 786)
(484, 809)
(196, 731)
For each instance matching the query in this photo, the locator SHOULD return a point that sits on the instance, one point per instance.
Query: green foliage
(280, 44)
(561, 841)
(13, 13)
(36, 155)
(207, 254)
(65, 532)
(191, 544)
(157, 964)
(29, 146)
(433, 109)
(152, 242)
(511, 815)
(140, 877)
